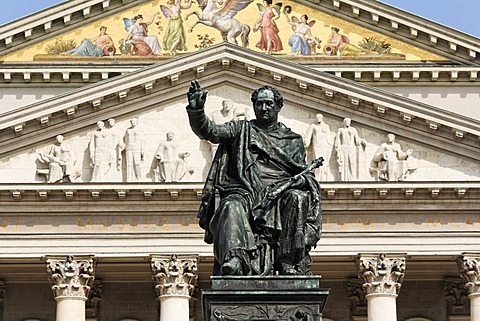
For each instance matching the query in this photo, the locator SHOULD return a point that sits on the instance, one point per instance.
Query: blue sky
(461, 14)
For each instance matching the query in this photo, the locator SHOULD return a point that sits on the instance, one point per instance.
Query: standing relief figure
(319, 136)
(116, 147)
(100, 155)
(60, 162)
(391, 160)
(171, 164)
(134, 151)
(346, 143)
(222, 116)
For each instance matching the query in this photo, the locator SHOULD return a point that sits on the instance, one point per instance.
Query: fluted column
(469, 267)
(175, 278)
(382, 275)
(71, 278)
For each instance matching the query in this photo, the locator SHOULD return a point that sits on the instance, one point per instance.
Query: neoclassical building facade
(101, 176)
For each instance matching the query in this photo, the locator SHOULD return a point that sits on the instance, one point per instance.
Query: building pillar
(3, 292)
(469, 267)
(71, 279)
(382, 275)
(175, 278)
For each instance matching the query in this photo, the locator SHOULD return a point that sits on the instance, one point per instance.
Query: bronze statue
(269, 214)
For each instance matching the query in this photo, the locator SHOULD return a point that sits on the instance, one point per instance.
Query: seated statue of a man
(268, 216)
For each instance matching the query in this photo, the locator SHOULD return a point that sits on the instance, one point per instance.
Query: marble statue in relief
(100, 154)
(60, 162)
(226, 114)
(346, 142)
(319, 136)
(134, 141)
(261, 202)
(391, 160)
(171, 164)
(116, 147)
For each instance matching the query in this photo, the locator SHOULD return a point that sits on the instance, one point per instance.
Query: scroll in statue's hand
(196, 96)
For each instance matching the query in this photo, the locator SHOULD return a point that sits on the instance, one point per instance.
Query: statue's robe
(249, 163)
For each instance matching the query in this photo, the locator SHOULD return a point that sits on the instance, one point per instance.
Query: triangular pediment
(40, 36)
(443, 142)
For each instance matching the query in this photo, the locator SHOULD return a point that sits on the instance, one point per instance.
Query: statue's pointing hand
(196, 96)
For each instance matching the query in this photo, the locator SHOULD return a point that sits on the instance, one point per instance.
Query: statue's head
(227, 104)
(111, 122)
(267, 103)
(59, 139)
(390, 138)
(170, 136)
(319, 117)
(134, 122)
(347, 122)
(100, 124)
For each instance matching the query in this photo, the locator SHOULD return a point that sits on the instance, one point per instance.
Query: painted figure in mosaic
(268, 217)
(391, 160)
(60, 162)
(100, 155)
(302, 28)
(171, 164)
(174, 38)
(346, 143)
(338, 44)
(137, 34)
(221, 18)
(318, 135)
(269, 41)
(134, 151)
(102, 45)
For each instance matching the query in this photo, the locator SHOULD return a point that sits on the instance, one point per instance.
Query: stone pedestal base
(262, 298)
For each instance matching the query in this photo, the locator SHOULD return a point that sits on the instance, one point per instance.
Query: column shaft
(474, 307)
(69, 309)
(382, 308)
(174, 308)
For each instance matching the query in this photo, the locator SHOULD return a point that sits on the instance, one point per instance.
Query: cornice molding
(457, 193)
(415, 74)
(228, 64)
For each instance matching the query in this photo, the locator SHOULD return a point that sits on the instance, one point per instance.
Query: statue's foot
(232, 267)
(288, 269)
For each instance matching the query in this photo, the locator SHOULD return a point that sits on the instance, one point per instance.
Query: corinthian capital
(71, 277)
(173, 275)
(382, 274)
(469, 267)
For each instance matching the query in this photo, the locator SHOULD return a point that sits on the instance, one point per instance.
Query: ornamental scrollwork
(174, 275)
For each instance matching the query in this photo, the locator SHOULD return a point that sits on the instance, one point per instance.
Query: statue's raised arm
(196, 96)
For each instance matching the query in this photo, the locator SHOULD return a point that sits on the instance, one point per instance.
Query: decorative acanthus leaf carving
(71, 277)
(469, 267)
(174, 275)
(381, 274)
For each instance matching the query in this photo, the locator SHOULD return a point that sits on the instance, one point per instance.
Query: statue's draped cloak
(243, 148)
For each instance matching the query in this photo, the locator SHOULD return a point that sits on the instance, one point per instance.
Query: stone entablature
(412, 75)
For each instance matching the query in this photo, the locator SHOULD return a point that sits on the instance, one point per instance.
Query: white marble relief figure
(100, 155)
(116, 147)
(171, 164)
(319, 136)
(60, 162)
(224, 115)
(134, 151)
(391, 160)
(346, 143)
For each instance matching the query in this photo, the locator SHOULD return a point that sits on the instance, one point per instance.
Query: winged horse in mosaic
(221, 18)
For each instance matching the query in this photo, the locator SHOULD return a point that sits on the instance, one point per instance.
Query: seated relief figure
(268, 217)
(391, 161)
(171, 165)
(60, 162)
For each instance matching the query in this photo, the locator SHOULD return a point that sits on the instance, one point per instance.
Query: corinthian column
(469, 267)
(175, 279)
(71, 279)
(382, 275)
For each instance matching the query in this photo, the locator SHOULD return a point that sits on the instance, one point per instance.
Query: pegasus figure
(221, 18)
